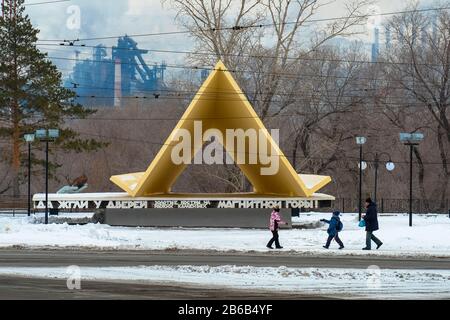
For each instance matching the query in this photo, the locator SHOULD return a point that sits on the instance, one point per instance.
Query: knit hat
(336, 213)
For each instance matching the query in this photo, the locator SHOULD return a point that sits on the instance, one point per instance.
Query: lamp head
(363, 165)
(29, 138)
(361, 140)
(390, 166)
(411, 137)
(53, 133)
(41, 134)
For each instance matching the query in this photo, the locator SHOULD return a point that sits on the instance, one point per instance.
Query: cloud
(139, 7)
(108, 18)
(101, 18)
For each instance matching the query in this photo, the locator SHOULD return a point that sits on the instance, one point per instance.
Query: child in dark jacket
(334, 229)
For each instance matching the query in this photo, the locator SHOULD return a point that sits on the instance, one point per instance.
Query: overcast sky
(118, 17)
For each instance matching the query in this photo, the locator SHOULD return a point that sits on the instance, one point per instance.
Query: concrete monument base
(192, 218)
(210, 210)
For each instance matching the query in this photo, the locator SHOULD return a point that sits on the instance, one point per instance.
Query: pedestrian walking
(371, 220)
(335, 226)
(275, 221)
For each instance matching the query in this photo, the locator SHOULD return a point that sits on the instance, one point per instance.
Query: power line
(235, 100)
(282, 115)
(305, 99)
(44, 2)
(262, 56)
(189, 93)
(251, 26)
(345, 109)
(281, 74)
(209, 96)
(246, 153)
(75, 85)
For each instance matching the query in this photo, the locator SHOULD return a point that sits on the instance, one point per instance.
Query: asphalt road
(25, 288)
(55, 258)
(15, 288)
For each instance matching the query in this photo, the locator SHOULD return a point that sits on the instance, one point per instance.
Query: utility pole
(360, 141)
(411, 150)
(29, 138)
(46, 181)
(360, 182)
(376, 163)
(47, 136)
(411, 140)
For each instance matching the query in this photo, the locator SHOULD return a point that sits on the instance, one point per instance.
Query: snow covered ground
(338, 283)
(429, 236)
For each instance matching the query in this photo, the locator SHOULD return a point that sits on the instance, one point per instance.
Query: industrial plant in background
(109, 82)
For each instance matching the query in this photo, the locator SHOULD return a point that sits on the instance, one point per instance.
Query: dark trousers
(335, 237)
(275, 239)
(369, 237)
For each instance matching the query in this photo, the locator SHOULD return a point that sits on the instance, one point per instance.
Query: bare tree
(328, 98)
(223, 29)
(419, 64)
(291, 45)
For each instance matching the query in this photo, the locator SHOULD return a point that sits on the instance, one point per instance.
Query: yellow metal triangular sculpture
(220, 104)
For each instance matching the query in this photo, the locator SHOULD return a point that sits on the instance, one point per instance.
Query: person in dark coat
(371, 219)
(333, 230)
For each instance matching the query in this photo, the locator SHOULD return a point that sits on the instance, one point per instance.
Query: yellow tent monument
(220, 104)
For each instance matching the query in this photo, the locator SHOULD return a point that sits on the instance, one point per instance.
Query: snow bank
(370, 283)
(429, 236)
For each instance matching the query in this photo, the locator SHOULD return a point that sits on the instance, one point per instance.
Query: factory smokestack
(118, 83)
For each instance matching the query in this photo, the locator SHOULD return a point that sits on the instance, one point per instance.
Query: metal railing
(387, 205)
(13, 205)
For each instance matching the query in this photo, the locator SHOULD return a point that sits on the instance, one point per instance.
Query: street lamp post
(390, 166)
(29, 138)
(47, 136)
(412, 140)
(360, 141)
(376, 164)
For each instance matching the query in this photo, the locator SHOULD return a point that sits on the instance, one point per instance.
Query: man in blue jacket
(371, 219)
